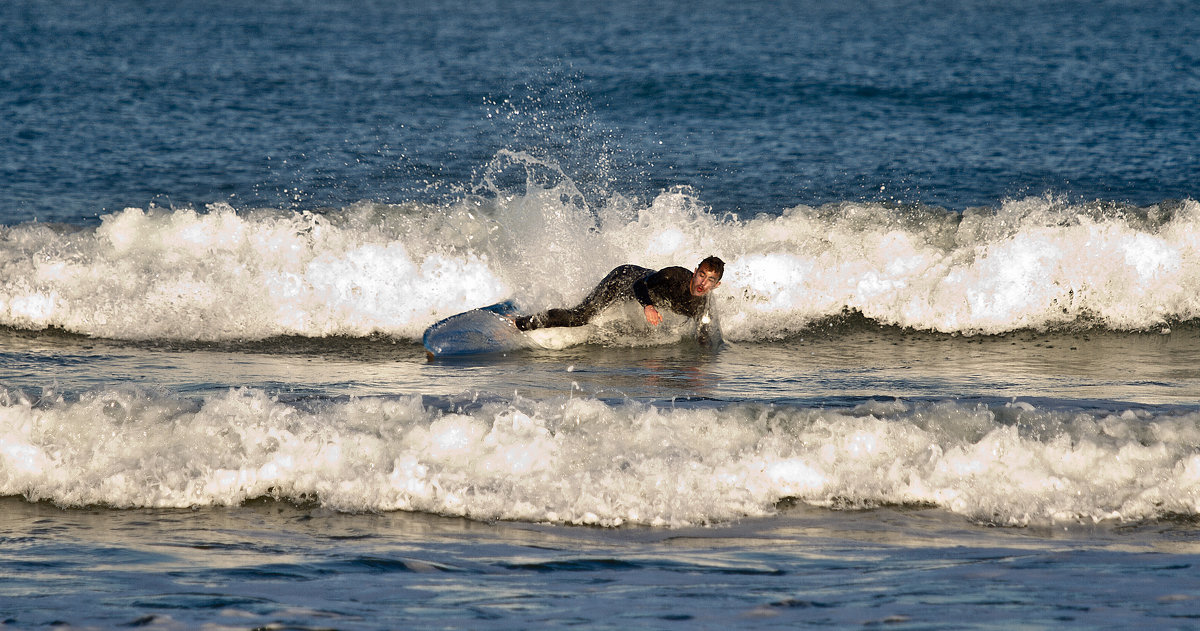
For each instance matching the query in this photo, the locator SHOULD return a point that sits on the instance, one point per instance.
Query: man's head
(707, 276)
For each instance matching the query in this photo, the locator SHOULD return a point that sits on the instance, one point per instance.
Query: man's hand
(652, 315)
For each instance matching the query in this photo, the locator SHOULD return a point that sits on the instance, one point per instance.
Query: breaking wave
(244, 274)
(584, 461)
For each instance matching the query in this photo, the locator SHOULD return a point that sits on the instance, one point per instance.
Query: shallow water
(850, 361)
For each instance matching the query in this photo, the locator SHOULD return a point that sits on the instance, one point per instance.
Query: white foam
(581, 461)
(395, 269)
(227, 275)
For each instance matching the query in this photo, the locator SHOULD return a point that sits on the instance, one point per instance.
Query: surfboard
(491, 330)
(476, 332)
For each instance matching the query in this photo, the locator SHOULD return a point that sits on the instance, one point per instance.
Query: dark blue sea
(960, 378)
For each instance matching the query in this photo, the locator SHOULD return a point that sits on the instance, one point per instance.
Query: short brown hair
(715, 264)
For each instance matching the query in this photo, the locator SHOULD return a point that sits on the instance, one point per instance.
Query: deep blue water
(758, 106)
(961, 384)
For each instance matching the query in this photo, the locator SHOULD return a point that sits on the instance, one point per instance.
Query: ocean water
(960, 383)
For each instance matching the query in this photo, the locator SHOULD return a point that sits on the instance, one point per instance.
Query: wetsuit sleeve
(668, 288)
(641, 291)
(657, 288)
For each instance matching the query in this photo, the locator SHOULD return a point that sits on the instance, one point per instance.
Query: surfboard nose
(486, 330)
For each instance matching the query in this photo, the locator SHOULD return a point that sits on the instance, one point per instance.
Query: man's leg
(618, 284)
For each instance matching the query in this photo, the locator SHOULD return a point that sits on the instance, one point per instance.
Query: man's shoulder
(668, 279)
(675, 272)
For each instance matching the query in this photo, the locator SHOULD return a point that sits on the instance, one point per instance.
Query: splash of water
(371, 268)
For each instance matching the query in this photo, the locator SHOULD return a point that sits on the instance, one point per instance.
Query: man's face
(704, 280)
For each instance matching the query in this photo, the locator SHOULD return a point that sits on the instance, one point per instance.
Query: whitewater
(376, 275)
(584, 461)
(374, 269)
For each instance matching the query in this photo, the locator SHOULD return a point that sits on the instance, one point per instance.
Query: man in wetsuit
(673, 288)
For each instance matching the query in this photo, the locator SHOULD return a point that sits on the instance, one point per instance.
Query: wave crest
(582, 461)
(223, 274)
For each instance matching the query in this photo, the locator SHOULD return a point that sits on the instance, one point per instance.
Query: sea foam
(583, 461)
(223, 273)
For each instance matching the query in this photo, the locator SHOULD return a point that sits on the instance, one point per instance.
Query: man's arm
(660, 289)
(641, 291)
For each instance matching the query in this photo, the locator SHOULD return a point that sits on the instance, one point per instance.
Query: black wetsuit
(667, 288)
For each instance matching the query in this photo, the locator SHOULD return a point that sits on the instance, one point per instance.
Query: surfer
(674, 288)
